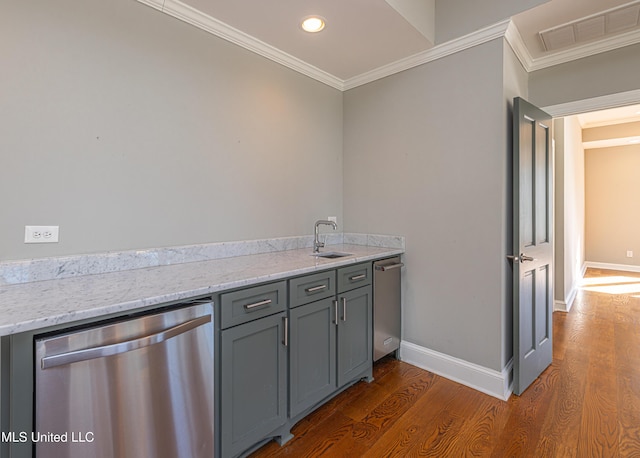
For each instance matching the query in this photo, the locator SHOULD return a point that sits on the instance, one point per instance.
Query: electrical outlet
(333, 218)
(41, 234)
(629, 254)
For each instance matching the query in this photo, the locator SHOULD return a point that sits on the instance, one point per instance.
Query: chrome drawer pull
(315, 289)
(358, 277)
(257, 304)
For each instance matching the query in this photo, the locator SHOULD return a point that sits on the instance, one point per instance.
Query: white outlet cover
(41, 234)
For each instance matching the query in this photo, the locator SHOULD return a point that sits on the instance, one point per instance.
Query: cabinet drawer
(249, 304)
(354, 276)
(310, 288)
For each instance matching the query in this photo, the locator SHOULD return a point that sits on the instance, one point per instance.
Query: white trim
(594, 104)
(513, 37)
(560, 306)
(446, 49)
(480, 378)
(604, 45)
(571, 297)
(609, 266)
(157, 4)
(190, 15)
(506, 29)
(565, 306)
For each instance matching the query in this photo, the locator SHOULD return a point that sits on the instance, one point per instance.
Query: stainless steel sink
(331, 254)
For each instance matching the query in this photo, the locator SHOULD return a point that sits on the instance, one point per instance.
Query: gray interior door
(532, 244)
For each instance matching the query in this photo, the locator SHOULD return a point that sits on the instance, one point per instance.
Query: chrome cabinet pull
(315, 289)
(344, 309)
(335, 311)
(358, 277)
(257, 304)
(285, 322)
(122, 347)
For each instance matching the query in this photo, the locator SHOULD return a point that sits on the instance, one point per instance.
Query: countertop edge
(42, 313)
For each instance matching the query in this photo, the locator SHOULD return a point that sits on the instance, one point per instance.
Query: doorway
(570, 204)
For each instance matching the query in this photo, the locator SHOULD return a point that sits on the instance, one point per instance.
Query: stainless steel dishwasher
(386, 306)
(140, 387)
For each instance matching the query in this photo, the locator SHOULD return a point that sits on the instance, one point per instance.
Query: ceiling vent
(597, 26)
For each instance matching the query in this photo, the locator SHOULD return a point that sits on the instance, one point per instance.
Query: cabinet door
(253, 382)
(355, 338)
(312, 354)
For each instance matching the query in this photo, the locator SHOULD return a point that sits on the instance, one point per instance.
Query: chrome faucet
(317, 244)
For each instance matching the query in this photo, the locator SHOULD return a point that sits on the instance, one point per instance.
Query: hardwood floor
(586, 404)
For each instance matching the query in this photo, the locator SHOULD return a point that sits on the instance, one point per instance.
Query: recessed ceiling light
(312, 24)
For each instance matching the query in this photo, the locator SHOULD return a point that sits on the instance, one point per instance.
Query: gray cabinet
(253, 367)
(249, 304)
(279, 363)
(355, 324)
(313, 287)
(331, 338)
(312, 354)
(355, 334)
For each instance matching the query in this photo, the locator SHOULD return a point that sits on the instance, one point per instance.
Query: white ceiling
(360, 35)
(630, 113)
(556, 13)
(364, 35)
(368, 39)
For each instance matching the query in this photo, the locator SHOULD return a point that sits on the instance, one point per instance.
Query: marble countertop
(37, 305)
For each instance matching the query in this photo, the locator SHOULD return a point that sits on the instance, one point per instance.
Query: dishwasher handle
(122, 347)
(389, 267)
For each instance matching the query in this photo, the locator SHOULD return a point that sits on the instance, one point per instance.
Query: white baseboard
(488, 381)
(565, 306)
(560, 306)
(608, 266)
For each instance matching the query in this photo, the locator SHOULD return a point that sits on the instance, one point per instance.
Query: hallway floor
(586, 404)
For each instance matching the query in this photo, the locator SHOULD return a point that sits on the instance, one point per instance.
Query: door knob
(521, 258)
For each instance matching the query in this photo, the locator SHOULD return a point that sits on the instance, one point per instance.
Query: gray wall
(130, 129)
(569, 208)
(456, 18)
(612, 182)
(600, 75)
(425, 156)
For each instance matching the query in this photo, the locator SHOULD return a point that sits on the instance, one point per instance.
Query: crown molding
(530, 64)
(186, 13)
(594, 104)
(513, 37)
(506, 29)
(438, 52)
(605, 45)
(156, 4)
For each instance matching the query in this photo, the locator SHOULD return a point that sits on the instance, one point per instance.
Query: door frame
(575, 108)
